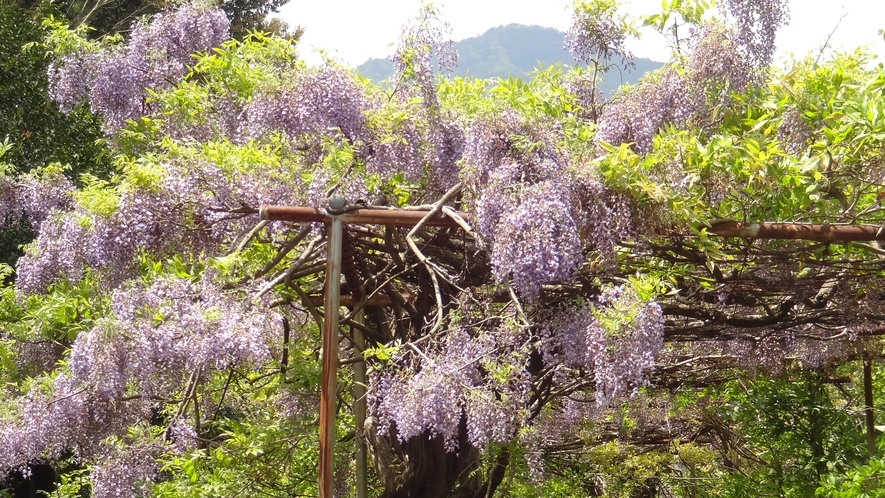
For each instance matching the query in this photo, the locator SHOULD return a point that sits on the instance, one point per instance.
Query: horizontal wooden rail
(374, 216)
(820, 232)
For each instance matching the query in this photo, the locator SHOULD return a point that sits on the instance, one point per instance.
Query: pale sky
(355, 30)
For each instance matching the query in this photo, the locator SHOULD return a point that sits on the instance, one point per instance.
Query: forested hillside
(516, 50)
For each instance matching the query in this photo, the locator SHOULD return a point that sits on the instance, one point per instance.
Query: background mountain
(514, 50)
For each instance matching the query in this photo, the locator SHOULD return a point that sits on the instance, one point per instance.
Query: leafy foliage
(587, 320)
(109, 18)
(38, 132)
(34, 133)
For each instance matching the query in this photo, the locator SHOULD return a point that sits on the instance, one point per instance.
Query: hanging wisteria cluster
(422, 40)
(156, 338)
(60, 417)
(318, 101)
(724, 58)
(755, 27)
(429, 395)
(171, 328)
(794, 132)
(466, 390)
(126, 470)
(117, 81)
(716, 69)
(522, 206)
(187, 208)
(537, 241)
(619, 335)
(532, 206)
(598, 34)
(35, 196)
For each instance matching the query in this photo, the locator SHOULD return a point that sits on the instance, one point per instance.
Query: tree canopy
(109, 17)
(617, 316)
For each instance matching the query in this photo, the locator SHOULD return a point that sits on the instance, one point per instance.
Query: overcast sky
(355, 30)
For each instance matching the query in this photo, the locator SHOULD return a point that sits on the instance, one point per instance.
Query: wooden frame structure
(338, 213)
(335, 216)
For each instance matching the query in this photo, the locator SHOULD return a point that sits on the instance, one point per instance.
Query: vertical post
(868, 401)
(329, 388)
(359, 408)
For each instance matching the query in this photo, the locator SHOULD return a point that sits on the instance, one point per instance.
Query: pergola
(756, 307)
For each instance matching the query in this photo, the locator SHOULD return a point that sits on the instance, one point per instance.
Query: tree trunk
(422, 468)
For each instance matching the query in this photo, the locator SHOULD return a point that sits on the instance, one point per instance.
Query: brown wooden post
(329, 388)
(359, 409)
(868, 402)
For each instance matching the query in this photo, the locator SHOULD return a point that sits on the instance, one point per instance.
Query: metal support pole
(328, 392)
(359, 408)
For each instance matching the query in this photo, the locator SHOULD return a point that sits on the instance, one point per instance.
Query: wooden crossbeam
(819, 232)
(360, 216)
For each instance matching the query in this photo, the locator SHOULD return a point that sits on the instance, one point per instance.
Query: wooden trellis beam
(819, 232)
(358, 215)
